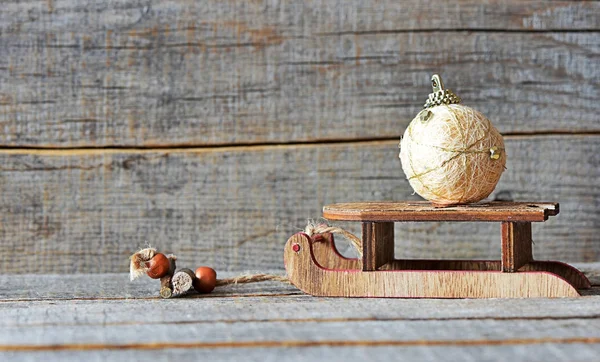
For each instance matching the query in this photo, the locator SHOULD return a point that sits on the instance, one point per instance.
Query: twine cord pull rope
(252, 278)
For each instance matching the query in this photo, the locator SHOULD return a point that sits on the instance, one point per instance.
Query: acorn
(206, 279)
(158, 266)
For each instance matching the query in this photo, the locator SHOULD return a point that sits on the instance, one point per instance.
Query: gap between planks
(195, 148)
(298, 344)
(457, 30)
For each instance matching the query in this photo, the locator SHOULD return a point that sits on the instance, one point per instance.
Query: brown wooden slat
(223, 73)
(516, 245)
(395, 211)
(565, 271)
(378, 244)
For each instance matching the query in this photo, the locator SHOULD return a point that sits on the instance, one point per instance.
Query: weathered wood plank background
(215, 129)
(104, 317)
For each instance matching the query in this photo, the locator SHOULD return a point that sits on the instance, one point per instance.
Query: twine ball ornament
(451, 154)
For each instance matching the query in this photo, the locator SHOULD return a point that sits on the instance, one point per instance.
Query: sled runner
(315, 266)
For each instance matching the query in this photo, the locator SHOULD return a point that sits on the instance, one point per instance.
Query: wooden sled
(316, 267)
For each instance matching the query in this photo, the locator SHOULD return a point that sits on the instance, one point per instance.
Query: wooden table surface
(105, 317)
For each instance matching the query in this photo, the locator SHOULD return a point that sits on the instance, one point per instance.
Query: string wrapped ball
(451, 153)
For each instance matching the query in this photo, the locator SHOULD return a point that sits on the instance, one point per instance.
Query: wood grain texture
(87, 211)
(305, 272)
(303, 334)
(544, 351)
(516, 245)
(288, 327)
(378, 244)
(402, 211)
(155, 73)
(299, 334)
(63, 291)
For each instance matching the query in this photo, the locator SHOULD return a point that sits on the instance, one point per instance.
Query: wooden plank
(388, 15)
(52, 299)
(303, 334)
(516, 245)
(87, 211)
(378, 244)
(113, 328)
(113, 287)
(396, 211)
(214, 73)
(543, 351)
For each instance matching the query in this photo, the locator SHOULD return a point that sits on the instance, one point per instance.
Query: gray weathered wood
(591, 270)
(357, 16)
(75, 74)
(87, 211)
(122, 322)
(513, 353)
(300, 333)
(55, 287)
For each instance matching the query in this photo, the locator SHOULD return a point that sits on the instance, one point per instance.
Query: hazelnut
(206, 279)
(158, 266)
